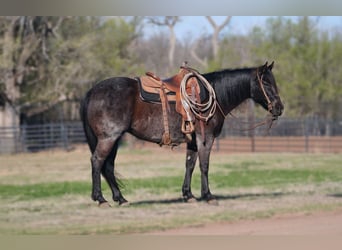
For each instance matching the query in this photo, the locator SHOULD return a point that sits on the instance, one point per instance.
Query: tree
(170, 22)
(215, 42)
(111, 47)
(24, 42)
(45, 61)
(217, 29)
(58, 57)
(307, 65)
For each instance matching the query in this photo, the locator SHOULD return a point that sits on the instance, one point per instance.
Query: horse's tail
(90, 136)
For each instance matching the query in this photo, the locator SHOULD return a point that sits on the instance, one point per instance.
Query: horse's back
(110, 105)
(114, 85)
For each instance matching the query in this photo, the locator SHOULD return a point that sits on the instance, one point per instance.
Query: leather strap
(166, 138)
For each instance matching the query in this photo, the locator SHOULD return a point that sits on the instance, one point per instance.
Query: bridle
(261, 85)
(267, 120)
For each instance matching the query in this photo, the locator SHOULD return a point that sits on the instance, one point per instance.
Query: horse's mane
(231, 85)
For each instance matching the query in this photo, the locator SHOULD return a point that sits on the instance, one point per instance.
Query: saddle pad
(150, 93)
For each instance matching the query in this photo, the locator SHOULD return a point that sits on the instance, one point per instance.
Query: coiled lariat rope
(196, 107)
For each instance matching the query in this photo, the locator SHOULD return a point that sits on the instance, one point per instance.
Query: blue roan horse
(113, 107)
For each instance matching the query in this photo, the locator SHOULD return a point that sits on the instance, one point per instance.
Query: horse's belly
(148, 123)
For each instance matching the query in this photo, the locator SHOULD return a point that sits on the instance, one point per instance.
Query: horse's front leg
(204, 155)
(191, 157)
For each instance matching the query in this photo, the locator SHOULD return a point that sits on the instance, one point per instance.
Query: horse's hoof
(124, 204)
(213, 202)
(104, 204)
(191, 200)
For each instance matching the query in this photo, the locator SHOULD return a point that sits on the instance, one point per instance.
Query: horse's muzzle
(277, 109)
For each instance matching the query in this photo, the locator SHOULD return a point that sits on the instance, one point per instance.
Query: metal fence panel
(289, 135)
(32, 138)
(295, 144)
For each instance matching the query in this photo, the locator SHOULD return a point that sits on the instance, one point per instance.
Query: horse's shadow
(218, 197)
(335, 195)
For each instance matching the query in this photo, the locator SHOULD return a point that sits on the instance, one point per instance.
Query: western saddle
(169, 90)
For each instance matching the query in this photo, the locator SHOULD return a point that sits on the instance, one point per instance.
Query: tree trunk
(15, 54)
(217, 30)
(9, 121)
(172, 47)
(170, 22)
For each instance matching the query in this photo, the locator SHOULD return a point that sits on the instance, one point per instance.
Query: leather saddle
(155, 90)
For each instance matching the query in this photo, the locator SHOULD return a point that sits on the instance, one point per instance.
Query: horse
(113, 107)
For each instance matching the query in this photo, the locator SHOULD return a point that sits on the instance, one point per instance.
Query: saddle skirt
(150, 86)
(150, 90)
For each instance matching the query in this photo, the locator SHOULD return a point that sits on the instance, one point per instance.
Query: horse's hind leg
(108, 174)
(102, 150)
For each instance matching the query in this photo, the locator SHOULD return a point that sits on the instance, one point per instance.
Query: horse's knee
(97, 161)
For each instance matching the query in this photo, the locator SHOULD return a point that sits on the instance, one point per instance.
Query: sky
(196, 26)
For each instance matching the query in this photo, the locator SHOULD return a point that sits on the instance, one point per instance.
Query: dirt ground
(323, 223)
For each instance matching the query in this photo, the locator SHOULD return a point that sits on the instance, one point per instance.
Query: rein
(268, 120)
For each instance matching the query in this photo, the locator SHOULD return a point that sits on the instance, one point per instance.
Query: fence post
(306, 133)
(51, 135)
(23, 137)
(64, 136)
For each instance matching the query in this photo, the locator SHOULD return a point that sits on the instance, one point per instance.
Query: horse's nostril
(279, 108)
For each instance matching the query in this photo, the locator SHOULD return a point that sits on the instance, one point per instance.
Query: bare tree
(215, 44)
(201, 44)
(203, 62)
(217, 29)
(170, 22)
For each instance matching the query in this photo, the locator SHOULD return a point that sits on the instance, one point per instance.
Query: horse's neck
(231, 92)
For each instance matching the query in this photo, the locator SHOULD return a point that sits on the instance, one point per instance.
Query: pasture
(49, 192)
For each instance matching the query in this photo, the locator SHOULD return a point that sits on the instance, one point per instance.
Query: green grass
(274, 177)
(234, 179)
(44, 190)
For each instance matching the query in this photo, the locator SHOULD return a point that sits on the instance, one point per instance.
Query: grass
(44, 190)
(157, 185)
(49, 192)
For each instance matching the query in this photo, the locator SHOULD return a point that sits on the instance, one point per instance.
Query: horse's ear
(263, 68)
(270, 67)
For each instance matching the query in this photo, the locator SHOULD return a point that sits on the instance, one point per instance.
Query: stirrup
(187, 127)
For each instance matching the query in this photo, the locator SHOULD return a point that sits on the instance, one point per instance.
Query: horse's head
(265, 92)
